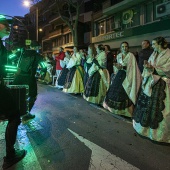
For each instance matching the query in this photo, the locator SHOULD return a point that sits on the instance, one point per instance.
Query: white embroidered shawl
(161, 63)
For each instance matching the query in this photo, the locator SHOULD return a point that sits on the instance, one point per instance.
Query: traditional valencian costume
(122, 94)
(152, 113)
(74, 79)
(98, 81)
(62, 77)
(87, 66)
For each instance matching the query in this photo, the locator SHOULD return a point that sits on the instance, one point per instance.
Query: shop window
(101, 28)
(150, 11)
(110, 24)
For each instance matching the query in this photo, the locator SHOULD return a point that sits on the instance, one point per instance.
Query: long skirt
(95, 89)
(152, 114)
(62, 77)
(48, 78)
(86, 75)
(74, 80)
(116, 100)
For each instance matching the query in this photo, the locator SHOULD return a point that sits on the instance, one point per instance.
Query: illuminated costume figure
(99, 79)
(8, 108)
(152, 112)
(122, 94)
(26, 74)
(74, 79)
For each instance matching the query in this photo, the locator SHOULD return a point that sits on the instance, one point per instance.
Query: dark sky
(13, 7)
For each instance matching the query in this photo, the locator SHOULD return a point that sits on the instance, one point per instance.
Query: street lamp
(27, 3)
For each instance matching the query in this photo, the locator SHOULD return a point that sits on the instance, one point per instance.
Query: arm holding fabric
(93, 69)
(71, 63)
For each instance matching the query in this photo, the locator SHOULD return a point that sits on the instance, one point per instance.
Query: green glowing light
(43, 64)
(12, 56)
(10, 69)
(2, 17)
(8, 66)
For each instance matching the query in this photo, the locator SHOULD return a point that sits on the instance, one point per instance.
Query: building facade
(103, 22)
(56, 32)
(19, 32)
(131, 21)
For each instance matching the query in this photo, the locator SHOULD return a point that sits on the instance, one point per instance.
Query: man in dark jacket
(109, 59)
(144, 54)
(8, 108)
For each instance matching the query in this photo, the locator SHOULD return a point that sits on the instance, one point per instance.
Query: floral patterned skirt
(152, 114)
(95, 90)
(116, 100)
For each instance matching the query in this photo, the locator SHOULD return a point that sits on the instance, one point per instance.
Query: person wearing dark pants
(25, 75)
(8, 108)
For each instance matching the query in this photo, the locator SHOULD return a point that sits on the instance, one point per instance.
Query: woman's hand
(147, 65)
(118, 66)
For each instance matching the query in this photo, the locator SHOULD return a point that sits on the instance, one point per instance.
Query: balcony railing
(55, 33)
(106, 4)
(45, 38)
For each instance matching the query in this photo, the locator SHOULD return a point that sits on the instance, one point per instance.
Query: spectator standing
(144, 54)
(110, 59)
(59, 57)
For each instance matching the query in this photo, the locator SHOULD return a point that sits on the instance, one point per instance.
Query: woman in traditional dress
(152, 112)
(99, 79)
(122, 94)
(74, 79)
(62, 76)
(88, 63)
(48, 75)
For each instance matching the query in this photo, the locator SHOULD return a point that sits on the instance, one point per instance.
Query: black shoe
(13, 159)
(27, 117)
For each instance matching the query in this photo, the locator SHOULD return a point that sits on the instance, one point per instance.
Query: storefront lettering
(108, 37)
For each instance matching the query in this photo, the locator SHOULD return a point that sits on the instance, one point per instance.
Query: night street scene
(85, 85)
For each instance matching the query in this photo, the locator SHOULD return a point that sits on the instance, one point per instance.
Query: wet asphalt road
(51, 142)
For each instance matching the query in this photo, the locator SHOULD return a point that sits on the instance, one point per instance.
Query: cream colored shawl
(161, 63)
(133, 79)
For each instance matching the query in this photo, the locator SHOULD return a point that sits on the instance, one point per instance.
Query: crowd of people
(138, 88)
(130, 86)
